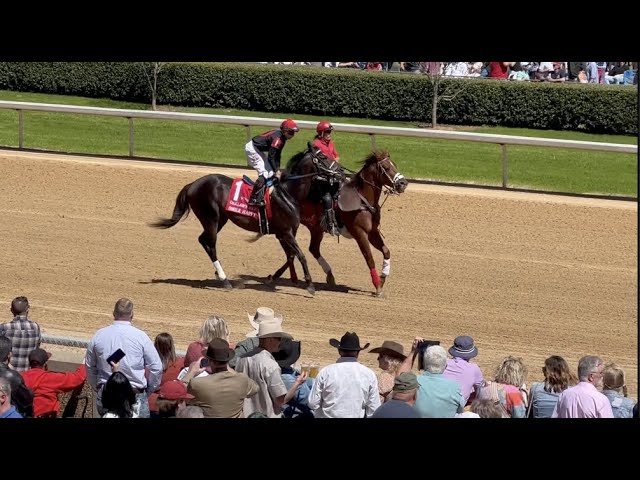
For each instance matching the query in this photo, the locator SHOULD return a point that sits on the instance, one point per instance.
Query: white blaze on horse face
(386, 267)
(326, 268)
(220, 271)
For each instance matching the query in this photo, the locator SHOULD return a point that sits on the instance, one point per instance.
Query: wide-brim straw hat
(391, 348)
(272, 328)
(262, 314)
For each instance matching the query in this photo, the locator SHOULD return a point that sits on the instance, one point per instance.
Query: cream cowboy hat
(262, 314)
(272, 328)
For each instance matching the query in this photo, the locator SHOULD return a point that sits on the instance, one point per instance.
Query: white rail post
(249, 137)
(131, 136)
(504, 165)
(20, 130)
(373, 140)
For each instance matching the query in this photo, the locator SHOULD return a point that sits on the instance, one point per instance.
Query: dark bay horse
(207, 197)
(358, 208)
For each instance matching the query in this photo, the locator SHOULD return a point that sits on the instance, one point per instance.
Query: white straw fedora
(272, 328)
(262, 314)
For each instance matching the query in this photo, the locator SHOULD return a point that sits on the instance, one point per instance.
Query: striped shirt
(25, 336)
(582, 401)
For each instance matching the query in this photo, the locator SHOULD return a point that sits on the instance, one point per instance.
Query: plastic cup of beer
(313, 370)
(305, 368)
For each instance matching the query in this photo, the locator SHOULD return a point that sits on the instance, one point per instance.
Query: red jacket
(46, 386)
(327, 148)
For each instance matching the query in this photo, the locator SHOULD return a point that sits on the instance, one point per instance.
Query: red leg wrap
(375, 278)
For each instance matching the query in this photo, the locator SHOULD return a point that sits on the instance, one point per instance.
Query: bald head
(123, 309)
(20, 306)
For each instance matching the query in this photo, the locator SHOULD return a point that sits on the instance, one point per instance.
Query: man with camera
(438, 397)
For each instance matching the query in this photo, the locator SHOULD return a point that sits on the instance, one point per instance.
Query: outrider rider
(264, 152)
(324, 143)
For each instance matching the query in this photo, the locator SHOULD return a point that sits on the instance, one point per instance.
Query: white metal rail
(502, 140)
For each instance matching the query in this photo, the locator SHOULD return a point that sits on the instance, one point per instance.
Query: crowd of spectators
(134, 377)
(610, 73)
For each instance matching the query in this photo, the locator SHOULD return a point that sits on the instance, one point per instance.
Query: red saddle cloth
(239, 198)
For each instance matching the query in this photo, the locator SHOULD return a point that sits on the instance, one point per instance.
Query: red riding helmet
(289, 124)
(324, 127)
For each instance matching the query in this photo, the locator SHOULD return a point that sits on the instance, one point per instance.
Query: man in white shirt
(345, 389)
(140, 353)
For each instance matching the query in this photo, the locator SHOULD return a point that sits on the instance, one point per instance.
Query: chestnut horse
(357, 209)
(207, 197)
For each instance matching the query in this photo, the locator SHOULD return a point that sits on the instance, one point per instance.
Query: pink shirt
(465, 373)
(582, 401)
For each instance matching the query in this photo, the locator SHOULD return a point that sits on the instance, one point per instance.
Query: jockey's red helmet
(289, 125)
(324, 127)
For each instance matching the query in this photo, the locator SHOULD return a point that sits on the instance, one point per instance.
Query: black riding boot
(256, 194)
(329, 215)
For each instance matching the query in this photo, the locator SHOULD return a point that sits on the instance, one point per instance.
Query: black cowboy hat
(349, 341)
(288, 354)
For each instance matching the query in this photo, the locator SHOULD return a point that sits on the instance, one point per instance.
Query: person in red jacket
(324, 143)
(46, 385)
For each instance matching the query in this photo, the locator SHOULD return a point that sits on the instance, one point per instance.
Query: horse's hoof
(331, 279)
(311, 289)
(227, 284)
(269, 280)
(379, 294)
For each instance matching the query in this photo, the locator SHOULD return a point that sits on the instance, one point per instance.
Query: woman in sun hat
(390, 357)
(460, 369)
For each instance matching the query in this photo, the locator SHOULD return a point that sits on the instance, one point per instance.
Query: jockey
(324, 143)
(263, 154)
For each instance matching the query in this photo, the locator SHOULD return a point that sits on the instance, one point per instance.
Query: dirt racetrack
(527, 275)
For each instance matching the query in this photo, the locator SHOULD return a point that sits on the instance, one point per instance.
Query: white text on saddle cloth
(239, 198)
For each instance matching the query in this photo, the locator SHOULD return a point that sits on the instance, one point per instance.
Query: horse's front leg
(376, 240)
(361, 237)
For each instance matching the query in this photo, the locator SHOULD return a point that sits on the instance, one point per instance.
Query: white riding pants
(257, 159)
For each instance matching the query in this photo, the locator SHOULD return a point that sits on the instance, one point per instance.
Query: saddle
(239, 198)
(350, 199)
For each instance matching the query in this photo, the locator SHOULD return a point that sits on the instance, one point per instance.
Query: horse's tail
(181, 210)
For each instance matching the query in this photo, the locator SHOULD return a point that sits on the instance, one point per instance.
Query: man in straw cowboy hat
(251, 342)
(260, 366)
(345, 389)
(222, 393)
(460, 369)
(390, 357)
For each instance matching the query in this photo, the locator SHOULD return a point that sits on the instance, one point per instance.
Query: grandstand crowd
(610, 73)
(263, 375)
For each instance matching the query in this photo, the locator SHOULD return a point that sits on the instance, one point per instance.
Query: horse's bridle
(393, 190)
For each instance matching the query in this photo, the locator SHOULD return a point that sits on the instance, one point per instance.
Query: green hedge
(337, 92)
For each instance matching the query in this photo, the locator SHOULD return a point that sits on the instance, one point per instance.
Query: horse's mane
(374, 157)
(295, 161)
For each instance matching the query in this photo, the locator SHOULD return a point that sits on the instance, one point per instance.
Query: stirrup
(256, 201)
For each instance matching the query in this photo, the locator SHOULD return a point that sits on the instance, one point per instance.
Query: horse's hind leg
(212, 223)
(376, 240)
(314, 247)
(289, 241)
